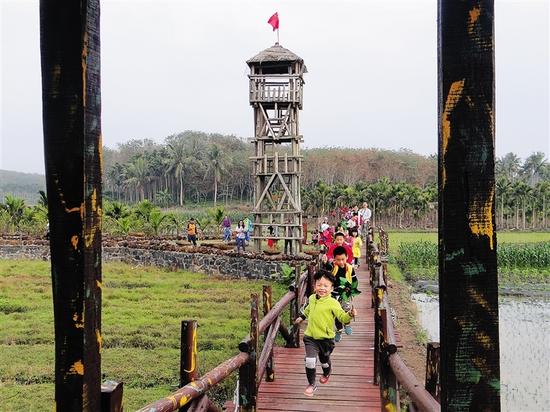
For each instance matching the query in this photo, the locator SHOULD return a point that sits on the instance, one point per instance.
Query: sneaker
(324, 379)
(348, 330)
(338, 336)
(310, 389)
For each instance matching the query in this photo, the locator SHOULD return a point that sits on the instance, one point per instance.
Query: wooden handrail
(274, 313)
(266, 351)
(196, 388)
(386, 350)
(418, 394)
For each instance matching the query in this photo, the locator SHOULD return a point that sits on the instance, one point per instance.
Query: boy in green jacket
(321, 311)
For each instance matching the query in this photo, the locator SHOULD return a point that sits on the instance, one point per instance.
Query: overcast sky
(170, 66)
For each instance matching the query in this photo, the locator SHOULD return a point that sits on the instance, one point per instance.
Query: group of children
(327, 311)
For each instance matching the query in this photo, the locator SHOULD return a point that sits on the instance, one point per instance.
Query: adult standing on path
(365, 215)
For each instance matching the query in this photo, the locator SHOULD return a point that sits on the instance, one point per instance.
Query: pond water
(524, 333)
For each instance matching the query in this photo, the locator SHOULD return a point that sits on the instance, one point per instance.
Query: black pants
(192, 239)
(321, 348)
(288, 246)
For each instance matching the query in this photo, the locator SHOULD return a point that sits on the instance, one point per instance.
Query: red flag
(274, 21)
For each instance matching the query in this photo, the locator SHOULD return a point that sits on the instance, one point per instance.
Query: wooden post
(432, 370)
(267, 303)
(310, 280)
(470, 374)
(295, 308)
(111, 396)
(188, 355)
(71, 102)
(389, 387)
(247, 372)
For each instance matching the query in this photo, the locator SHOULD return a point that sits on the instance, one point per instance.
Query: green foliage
(287, 275)
(141, 316)
(419, 260)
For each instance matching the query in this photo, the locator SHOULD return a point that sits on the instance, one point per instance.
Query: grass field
(141, 317)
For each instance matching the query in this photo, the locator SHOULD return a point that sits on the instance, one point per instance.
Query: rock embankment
(212, 259)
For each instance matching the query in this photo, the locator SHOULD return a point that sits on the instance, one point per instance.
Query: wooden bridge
(351, 386)
(470, 375)
(367, 370)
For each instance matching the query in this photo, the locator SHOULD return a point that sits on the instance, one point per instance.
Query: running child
(321, 312)
(340, 268)
(356, 245)
(339, 240)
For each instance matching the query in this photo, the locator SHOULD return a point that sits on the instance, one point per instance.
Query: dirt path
(413, 353)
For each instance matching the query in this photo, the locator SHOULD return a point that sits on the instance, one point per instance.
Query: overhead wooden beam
(470, 378)
(69, 45)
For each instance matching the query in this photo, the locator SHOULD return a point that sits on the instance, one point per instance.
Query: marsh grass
(141, 317)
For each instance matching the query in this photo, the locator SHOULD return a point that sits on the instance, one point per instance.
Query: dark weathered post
(247, 372)
(188, 355)
(295, 307)
(111, 396)
(71, 100)
(267, 302)
(432, 370)
(310, 280)
(470, 377)
(389, 387)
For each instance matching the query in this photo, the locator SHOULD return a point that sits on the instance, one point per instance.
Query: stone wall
(245, 266)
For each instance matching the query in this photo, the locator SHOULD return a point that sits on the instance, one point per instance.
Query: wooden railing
(251, 362)
(390, 372)
(273, 88)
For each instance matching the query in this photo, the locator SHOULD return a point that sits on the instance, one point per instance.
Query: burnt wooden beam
(71, 100)
(470, 377)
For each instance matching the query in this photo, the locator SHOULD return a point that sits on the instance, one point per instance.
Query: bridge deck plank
(351, 385)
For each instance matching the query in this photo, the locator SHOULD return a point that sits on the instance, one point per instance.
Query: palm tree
(503, 190)
(509, 165)
(178, 162)
(15, 209)
(533, 166)
(216, 167)
(138, 175)
(116, 176)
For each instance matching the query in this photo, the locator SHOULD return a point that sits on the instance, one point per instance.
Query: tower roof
(274, 54)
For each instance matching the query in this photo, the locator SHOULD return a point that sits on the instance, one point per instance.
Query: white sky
(170, 66)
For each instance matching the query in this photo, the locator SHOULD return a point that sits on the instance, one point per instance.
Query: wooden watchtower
(276, 94)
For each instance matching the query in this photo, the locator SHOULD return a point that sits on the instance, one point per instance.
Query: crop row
(509, 255)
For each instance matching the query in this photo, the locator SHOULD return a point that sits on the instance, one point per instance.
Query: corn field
(419, 260)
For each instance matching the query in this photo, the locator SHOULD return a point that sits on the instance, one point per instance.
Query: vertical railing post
(468, 283)
(389, 387)
(188, 354)
(247, 372)
(111, 396)
(295, 307)
(310, 280)
(267, 303)
(71, 113)
(432, 370)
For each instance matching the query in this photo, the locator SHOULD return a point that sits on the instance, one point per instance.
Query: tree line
(400, 186)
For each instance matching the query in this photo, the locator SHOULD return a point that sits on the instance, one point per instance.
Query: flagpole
(277, 35)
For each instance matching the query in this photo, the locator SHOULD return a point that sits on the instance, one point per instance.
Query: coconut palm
(533, 166)
(216, 166)
(138, 175)
(178, 162)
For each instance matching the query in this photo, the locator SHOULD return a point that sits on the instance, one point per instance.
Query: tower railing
(276, 88)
